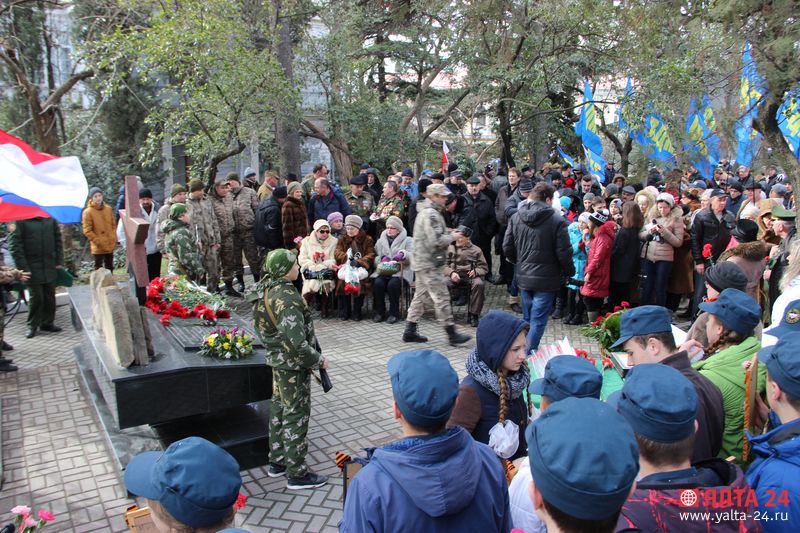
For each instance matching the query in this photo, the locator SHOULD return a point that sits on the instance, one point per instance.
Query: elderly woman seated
(317, 264)
(392, 262)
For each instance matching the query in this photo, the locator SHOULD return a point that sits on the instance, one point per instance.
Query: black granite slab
(189, 333)
(176, 383)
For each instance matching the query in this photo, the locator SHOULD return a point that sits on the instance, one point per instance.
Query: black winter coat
(267, 230)
(480, 218)
(625, 253)
(707, 229)
(538, 243)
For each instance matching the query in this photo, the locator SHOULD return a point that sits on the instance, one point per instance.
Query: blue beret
(783, 363)
(790, 321)
(736, 310)
(658, 402)
(567, 376)
(584, 458)
(644, 320)
(424, 386)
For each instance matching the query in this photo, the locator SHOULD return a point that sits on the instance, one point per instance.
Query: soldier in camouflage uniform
(222, 202)
(8, 275)
(284, 323)
(431, 240)
(203, 224)
(184, 258)
(177, 195)
(390, 204)
(245, 203)
(361, 203)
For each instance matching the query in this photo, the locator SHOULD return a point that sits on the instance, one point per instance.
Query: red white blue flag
(35, 184)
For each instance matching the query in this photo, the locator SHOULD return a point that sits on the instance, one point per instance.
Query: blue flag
(623, 110)
(564, 156)
(595, 163)
(789, 120)
(753, 89)
(654, 138)
(702, 146)
(586, 127)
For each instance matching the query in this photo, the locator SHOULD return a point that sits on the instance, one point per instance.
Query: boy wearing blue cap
(660, 405)
(193, 485)
(646, 336)
(565, 376)
(584, 463)
(775, 475)
(433, 479)
(732, 320)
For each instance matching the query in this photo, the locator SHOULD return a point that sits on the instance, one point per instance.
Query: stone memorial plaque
(189, 333)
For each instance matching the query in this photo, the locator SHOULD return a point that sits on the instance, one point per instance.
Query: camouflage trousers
(431, 291)
(244, 243)
(290, 410)
(211, 265)
(226, 259)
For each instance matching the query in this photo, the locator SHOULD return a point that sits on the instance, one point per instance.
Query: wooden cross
(136, 229)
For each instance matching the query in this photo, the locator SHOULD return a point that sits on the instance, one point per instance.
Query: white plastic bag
(504, 438)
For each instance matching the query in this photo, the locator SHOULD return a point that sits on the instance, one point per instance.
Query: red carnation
(625, 305)
(241, 501)
(707, 251)
(223, 313)
(617, 308)
(164, 320)
(349, 288)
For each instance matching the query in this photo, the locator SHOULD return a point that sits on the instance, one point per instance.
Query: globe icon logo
(688, 498)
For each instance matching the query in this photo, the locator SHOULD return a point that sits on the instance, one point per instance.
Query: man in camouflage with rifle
(283, 321)
(184, 259)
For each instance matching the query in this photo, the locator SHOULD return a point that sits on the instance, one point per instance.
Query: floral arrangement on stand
(605, 329)
(227, 344)
(177, 297)
(24, 522)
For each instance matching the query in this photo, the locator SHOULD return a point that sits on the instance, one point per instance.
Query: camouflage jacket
(431, 237)
(390, 206)
(161, 219)
(203, 222)
(361, 205)
(245, 203)
(290, 342)
(8, 274)
(223, 210)
(184, 257)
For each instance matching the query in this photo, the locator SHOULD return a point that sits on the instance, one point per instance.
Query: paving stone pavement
(56, 457)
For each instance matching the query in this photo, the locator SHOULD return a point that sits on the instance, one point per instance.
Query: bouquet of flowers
(24, 521)
(227, 344)
(605, 329)
(176, 296)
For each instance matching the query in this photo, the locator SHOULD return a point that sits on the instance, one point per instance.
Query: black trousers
(383, 285)
(153, 265)
(104, 261)
(41, 305)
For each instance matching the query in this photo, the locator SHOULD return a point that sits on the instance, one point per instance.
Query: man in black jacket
(538, 244)
(267, 230)
(712, 226)
(480, 218)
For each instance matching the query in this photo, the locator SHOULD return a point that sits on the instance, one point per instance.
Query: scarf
(517, 382)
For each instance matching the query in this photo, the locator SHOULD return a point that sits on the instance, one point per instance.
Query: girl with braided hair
(732, 320)
(497, 374)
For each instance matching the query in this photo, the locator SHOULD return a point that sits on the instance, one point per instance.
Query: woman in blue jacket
(580, 248)
(497, 374)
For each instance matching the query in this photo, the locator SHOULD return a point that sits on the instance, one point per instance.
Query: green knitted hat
(279, 262)
(176, 189)
(195, 185)
(176, 211)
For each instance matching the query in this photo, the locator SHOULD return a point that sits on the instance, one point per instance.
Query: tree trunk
(287, 125)
(211, 170)
(767, 124)
(504, 130)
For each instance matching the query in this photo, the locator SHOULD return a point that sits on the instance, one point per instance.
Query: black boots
(473, 320)
(454, 337)
(240, 282)
(559, 311)
(412, 335)
(230, 291)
